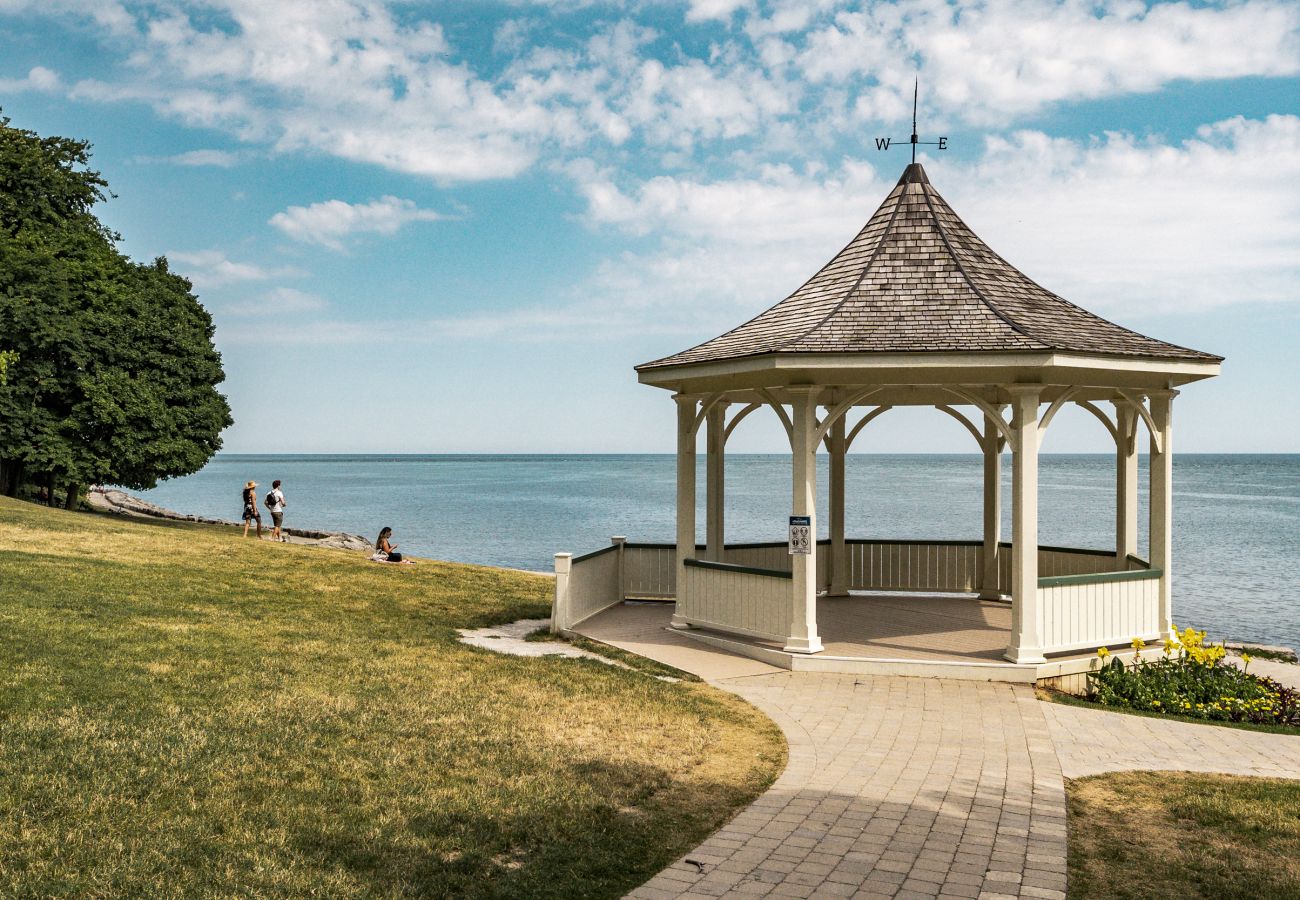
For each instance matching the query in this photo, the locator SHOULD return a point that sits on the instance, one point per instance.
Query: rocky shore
(120, 503)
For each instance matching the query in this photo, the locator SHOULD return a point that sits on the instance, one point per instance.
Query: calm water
(1236, 517)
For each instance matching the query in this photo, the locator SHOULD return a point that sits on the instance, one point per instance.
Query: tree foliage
(111, 369)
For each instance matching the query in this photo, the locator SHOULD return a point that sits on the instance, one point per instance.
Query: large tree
(112, 372)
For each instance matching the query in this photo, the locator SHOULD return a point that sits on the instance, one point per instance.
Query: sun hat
(251, 484)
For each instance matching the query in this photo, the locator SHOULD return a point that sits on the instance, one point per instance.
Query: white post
(686, 410)
(839, 557)
(803, 606)
(715, 481)
(620, 542)
(1026, 636)
(992, 446)
(1126, 483)
(560, 605)
(1162, 502)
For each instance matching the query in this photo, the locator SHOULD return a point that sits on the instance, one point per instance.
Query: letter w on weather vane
(884, 143)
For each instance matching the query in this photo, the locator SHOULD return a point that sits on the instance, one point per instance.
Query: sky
(456, 227)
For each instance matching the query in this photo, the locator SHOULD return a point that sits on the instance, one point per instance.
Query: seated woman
(385, 551)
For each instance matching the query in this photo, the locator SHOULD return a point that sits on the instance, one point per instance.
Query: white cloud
(280, 301)
(109, 15)
(329, 222)
(222, 159)
(38, 78)
(988, 62)
(212, 268)
(379, 83)
(704, 10)
(1131, 227)
(1122, 227)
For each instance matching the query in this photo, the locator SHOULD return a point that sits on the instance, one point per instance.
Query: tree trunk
(11, 476)
(74, 494)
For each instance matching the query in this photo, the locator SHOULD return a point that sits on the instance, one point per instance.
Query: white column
(1126, 484)
(560, 605)
(839, 557)
(715, 481)
(992, 446)
(803, 596)
(1026, 637)
(1162, 502)
(686, 411)
(620, 541)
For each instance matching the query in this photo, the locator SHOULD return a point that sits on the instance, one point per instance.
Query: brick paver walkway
(914, 787)
(896, 787)
(1092, 741)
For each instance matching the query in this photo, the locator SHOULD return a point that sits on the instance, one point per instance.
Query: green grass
(187, 713)
(1051, 696)
(1175, 834)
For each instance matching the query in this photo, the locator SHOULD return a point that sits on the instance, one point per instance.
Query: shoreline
(116, 502)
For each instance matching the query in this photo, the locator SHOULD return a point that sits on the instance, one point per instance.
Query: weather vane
(942, 143)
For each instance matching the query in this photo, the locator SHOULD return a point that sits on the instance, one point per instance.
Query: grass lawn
(187, 713)
(1163, 834)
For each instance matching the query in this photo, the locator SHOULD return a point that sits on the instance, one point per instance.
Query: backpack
(270, 499)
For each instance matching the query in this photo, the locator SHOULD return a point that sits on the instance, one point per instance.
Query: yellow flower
(1103, 652)
(1138, 643)
(1245, 661)
(1171, 644)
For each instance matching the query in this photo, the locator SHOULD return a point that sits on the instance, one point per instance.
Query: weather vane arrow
(942, 143)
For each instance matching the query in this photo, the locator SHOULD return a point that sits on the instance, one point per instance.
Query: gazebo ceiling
(917, 298)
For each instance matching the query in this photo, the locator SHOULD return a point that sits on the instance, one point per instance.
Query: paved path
(912, 787)
(1092, 741)
(896, 787)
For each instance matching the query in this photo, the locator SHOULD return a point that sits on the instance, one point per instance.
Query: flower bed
(1191, 679)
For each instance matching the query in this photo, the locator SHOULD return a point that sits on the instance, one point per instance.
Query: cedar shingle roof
(916, 279)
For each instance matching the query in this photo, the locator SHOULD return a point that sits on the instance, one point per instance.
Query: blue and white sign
(800, 535)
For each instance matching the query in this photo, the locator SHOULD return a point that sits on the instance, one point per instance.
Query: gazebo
(918, 311)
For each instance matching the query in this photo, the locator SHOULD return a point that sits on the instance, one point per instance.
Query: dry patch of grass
(184, 712)
(1177, 834)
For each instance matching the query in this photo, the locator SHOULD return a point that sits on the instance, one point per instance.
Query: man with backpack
(275, 504)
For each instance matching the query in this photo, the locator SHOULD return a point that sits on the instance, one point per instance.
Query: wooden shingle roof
(916, 279)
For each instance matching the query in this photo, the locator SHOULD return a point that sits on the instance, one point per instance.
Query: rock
(120, 503)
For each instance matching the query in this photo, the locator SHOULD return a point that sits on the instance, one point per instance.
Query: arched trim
(780, 411)
(975, 432)
(1105, 419)
(841, 409)
(737, 418)
(1055, 408)
(711, 401)
(848, 438)
(1135, 401)
(989, 409)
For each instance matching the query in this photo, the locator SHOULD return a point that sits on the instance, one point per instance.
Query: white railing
(650, 571)
(1080, 612)
(915, 565)
(738, 599)
(586, 585)
(1085, 601)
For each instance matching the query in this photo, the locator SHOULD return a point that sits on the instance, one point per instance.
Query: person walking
(275, 504)
(250, 508)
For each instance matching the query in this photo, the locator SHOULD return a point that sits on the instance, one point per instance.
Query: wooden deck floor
(914, 626)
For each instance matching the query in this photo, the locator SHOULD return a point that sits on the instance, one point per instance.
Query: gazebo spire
(917, 279)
